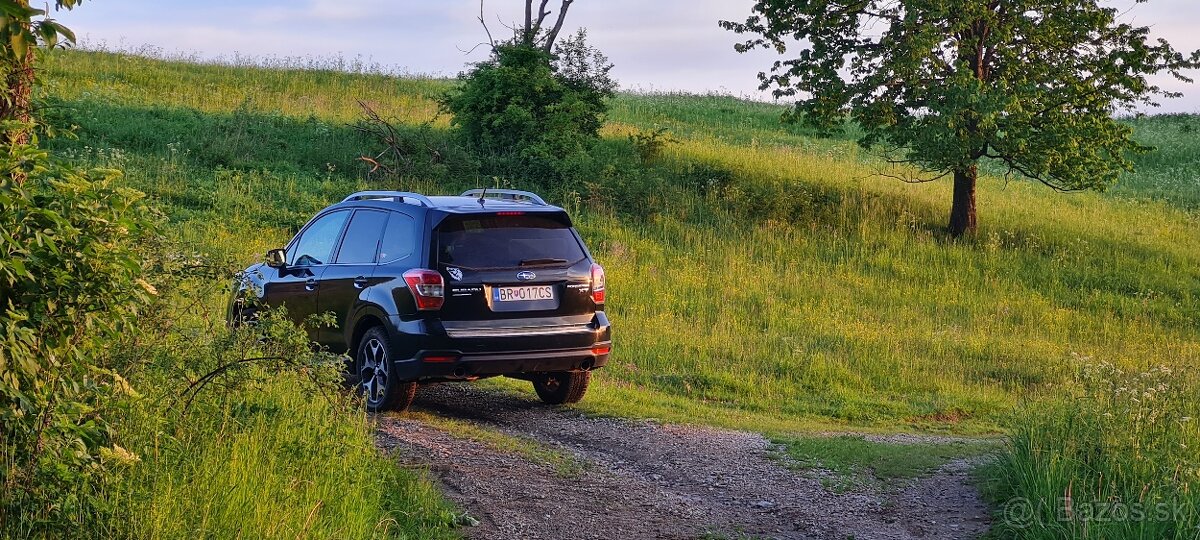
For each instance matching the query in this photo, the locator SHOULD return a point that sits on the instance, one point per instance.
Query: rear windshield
(490, 241)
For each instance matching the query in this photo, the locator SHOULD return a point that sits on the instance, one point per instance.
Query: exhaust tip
(588, 365)
(460, 372)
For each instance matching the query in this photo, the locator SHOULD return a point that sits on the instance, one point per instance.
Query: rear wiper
(541, 262)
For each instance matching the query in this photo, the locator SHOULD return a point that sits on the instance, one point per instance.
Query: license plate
(523, 294)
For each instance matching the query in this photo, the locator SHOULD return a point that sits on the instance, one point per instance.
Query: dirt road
(643, 480)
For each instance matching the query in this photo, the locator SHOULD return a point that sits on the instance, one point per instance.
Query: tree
(534, 33)
(534, 99)
(21, 28)
(944, 84)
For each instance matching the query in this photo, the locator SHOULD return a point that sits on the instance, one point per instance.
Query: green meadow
(760, 277)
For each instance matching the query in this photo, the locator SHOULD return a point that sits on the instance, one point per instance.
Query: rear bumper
(428, 352)
(508, 363)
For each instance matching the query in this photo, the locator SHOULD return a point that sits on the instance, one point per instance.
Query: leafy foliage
(942, 85)
(20, 30)
(526, 105)
(71, 272)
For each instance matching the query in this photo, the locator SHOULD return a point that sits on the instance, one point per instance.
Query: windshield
(491, 241)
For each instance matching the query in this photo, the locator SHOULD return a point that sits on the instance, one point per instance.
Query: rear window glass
(362, 237)
(399, 239)
(506, 242)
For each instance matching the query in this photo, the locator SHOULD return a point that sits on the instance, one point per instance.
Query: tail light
(597, 283)
(427, 287)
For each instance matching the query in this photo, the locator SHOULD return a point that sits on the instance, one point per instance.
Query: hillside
(761, 277)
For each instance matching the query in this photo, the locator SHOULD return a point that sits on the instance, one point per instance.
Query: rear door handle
(310, 285)
(360, 282)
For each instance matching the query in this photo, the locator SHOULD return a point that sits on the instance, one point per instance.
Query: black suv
(433, 289)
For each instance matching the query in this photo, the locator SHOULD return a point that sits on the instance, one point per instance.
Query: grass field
(805, 291)
(760, 278)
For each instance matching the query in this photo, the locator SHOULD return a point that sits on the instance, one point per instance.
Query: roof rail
(399, 196)
(512, 194)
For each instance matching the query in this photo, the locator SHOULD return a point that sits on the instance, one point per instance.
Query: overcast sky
(656, 44)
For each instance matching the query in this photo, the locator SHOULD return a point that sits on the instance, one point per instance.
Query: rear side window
(316, 244)
(362, 237)
(489, 241)
(399, 239)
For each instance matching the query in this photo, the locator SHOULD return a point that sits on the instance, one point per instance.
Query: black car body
(432, 289)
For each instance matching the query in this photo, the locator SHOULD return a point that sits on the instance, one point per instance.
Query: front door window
(317, 242)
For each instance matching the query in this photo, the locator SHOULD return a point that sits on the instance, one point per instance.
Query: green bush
(70, 279)
(530, 113)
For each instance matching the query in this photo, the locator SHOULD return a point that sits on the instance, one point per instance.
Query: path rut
(645, 480)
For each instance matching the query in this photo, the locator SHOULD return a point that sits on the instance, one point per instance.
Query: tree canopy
(942, 84)
(537, 101)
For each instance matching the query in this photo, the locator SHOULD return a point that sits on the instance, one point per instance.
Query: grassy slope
(275, 462)
(853, 310)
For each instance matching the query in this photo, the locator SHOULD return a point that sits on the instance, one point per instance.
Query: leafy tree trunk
(16, 95)
(962, 211)
(18, 91)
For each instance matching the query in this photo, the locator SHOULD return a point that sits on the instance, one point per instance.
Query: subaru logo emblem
(526, 275)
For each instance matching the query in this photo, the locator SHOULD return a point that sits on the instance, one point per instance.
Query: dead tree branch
(533, 32)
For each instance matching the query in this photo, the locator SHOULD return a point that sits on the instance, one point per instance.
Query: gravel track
(645, 480)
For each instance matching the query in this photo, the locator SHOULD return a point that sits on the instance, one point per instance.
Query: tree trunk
(962, 211)
(19, 90)
(16, 102)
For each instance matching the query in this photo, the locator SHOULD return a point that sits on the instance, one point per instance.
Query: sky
(656, 45)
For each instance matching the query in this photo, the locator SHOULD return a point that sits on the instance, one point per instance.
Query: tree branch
(528, 14)
(483, 22)
(1014, 166)
(562, 17)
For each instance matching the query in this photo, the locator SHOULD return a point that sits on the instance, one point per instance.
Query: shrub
(530, 111)
(70, 278)
(405, 152)
(650, 145)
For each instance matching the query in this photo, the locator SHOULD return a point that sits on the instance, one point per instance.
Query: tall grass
(1172, 171)
(277, 462)
(1115, 457)
(269, 449)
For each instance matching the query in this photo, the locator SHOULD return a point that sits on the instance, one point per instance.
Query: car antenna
(482, 194)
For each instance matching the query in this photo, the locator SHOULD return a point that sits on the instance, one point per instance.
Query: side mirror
(277, 258)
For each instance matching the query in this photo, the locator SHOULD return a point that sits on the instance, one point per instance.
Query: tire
(561, 387)
(244, 311)
(373, 363)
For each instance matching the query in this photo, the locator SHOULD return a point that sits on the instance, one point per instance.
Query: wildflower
(118, 456)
